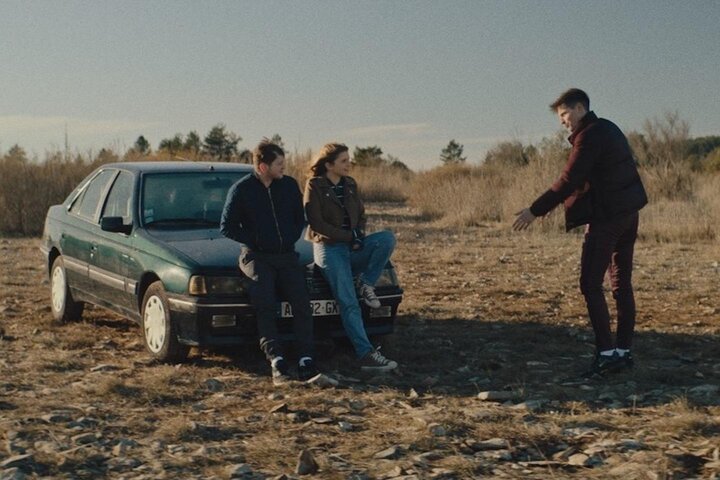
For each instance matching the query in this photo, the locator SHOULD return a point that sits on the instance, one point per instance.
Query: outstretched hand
(523, 220)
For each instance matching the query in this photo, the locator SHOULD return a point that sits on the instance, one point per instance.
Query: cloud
(28, 124)
(383, 131)
(494, 140)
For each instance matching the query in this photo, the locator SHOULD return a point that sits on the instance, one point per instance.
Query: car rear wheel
(159, 331)
(64, 307)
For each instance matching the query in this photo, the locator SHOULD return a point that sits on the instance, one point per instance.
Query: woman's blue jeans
(340, 264)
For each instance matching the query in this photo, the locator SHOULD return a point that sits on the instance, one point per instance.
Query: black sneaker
(374, 361)
(306, 369)
(627, 361)
(603, 364)
(280, 371)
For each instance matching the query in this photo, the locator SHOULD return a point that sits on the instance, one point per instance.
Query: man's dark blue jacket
(266, 219)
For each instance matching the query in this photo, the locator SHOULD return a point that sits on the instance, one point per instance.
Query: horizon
(407, 77)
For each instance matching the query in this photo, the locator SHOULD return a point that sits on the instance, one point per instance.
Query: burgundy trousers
(608, 248)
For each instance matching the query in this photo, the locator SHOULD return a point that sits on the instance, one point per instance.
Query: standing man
(264, 212)
(601, 188)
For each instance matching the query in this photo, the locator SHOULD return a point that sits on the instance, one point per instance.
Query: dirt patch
(484, 310)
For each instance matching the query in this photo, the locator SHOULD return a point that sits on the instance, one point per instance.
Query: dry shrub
(29, 187)
(671, 182)
(684, 209)
(297, 165)
(708, 197)
(712, 161)
(674, 220)
(460, 195)
(463, 195)
(383, 183)
(683, 205)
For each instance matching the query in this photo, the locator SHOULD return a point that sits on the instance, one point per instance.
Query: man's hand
(523, 220)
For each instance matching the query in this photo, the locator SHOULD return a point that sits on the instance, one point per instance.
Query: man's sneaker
(280, 371)
(374, 361)
(306, 369)
(603, 364)
(367, 293)
(627, 361)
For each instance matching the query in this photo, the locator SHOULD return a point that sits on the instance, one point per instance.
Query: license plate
(320, 308)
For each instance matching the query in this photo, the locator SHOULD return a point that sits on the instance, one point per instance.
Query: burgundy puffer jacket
(600, 180)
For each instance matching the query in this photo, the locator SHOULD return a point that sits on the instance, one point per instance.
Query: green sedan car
(142, 239)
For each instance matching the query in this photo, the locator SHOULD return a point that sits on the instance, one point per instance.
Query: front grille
(316, 284)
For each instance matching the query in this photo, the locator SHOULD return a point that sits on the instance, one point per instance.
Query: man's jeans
(339, 264)
(269, 272)
(608, 247)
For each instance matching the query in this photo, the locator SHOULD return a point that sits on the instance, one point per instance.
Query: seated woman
(337, 220)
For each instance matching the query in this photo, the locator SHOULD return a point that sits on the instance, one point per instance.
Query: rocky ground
(491, 335)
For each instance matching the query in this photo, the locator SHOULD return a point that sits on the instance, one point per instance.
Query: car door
(76, 241)
(108, 268)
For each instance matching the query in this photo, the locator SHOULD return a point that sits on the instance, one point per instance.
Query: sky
(407, 76)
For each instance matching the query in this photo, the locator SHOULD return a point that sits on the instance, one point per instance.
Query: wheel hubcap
(154, 321)
(58, 286)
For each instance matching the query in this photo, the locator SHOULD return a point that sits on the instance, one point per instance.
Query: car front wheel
(64, 307)
(159, 332)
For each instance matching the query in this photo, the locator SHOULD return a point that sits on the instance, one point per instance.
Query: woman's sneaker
(367, 293)
(374, 361)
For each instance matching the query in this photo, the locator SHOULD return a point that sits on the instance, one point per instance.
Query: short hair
(570, 98)
(266, 152)
(328, 154)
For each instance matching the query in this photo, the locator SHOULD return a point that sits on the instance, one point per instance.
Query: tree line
(221, 144)
(663, 148)
(663, 142)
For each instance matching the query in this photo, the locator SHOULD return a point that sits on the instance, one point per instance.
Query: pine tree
(452, 154)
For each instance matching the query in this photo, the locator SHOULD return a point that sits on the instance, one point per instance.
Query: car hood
(209, 248)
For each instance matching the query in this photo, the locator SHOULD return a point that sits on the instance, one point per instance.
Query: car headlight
(209, 285)
(387, 278)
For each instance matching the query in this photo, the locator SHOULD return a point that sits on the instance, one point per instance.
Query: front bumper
(221, 321)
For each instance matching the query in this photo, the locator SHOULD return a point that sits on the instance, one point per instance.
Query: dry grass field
(485, 310)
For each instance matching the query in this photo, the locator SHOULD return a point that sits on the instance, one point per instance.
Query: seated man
(264, 212)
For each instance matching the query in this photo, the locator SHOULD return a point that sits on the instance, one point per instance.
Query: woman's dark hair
(570, 98)
(328, 154)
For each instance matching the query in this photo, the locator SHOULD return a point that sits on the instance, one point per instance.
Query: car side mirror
(114, 224)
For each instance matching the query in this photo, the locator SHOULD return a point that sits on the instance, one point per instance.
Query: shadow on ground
(536, 361)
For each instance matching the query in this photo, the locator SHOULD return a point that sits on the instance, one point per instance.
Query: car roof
(160, 167)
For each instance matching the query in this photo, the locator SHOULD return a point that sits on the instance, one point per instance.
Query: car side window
(119, 200)
(87, 205)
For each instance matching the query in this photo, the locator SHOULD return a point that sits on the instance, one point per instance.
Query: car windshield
(181, 200)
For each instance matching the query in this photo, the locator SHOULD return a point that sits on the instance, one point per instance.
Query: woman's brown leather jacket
(325, 212)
